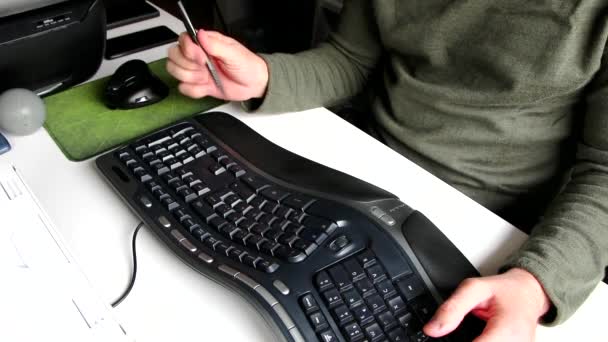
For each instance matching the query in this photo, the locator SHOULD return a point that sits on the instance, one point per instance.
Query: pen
(192, 32)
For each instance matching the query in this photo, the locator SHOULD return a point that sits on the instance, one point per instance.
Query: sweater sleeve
(328, 74)
(568, 250)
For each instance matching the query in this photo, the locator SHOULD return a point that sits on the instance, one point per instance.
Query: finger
(218, 45)
(502, 328)
(190, 50)
(471, 294)
(188, 76)
(175, 55)
(198, 91)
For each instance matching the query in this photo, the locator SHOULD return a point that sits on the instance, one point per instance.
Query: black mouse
(133, 85)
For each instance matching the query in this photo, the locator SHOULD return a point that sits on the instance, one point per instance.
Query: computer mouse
(133, 85)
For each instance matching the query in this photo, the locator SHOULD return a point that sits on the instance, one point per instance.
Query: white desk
(170, 302)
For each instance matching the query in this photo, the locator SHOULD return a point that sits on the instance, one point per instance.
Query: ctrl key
(328, 336)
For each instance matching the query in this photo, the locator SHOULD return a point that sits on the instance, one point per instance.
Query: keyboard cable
(134, 273)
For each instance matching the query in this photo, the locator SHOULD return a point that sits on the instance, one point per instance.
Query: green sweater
(505, 100)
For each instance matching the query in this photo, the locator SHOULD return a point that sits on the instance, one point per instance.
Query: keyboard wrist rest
(446, 269)
(285, 165)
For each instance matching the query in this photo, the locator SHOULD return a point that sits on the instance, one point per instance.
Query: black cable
(134, 274)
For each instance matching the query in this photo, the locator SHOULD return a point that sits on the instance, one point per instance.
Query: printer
(49, 45)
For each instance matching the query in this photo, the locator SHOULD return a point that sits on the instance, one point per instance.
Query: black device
(50, 48)
(323, 256)
(133, 85)
(139, 41)
(121, 12)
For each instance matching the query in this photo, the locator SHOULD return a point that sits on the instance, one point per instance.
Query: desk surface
(172, 302)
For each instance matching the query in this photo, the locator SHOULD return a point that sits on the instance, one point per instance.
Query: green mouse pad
(83, 126)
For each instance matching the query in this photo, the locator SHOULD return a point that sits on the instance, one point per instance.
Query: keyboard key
(367, 258)
(246, 223)
(419, 337)
(203, 210)
(397, 335)
(362, 314)
(323, 225)
(187, 195)
(218, 155)
(323, 281)
(387, 320)
(313, 235)
(242, 191)
(282, 211)
(240, 236)
(213, 200)
(305, 246)
(268, 246)
(258, 229)
(169, 203)
(269, 207)
(424, 306)
(257, 202)
(373, 332)
(236, 170)
(385, 288)
(240, 206)
(342, 314)
(327, 336)
(365, 286)
(200, 234)
(352, 297)
(254, 183)
(375, 303)
(353, 332)
(273, 234)
(294, 228)
(375, 273)
(410, 287)
(233, 216)
(249, 260)
(309, 303)
(340, 277)
(407, 321)
(354, 270)
(267, 266)
(227, 230)
(274, 194)
(222, 248)
(296, 216)
(254, 241)
(299, 202)
(235, 253)
(289, 254)
(396, 305)
(211, 242)
(201, 189)
(318, 321)
(332, 297)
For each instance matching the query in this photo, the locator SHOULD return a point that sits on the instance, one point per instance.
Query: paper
(43, 296)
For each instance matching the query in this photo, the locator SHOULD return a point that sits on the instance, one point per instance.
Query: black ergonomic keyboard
(323, 256)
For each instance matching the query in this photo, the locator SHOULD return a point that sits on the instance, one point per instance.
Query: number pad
(366, 304)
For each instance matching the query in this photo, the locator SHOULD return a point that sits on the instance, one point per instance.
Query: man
(505, 100)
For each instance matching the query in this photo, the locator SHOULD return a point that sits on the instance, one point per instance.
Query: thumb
(217, 45)
(471, 294)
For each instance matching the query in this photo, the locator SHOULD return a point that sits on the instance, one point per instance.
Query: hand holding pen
(240, 73)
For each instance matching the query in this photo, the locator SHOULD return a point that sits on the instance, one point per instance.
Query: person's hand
(244, 74)
(511, 303)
